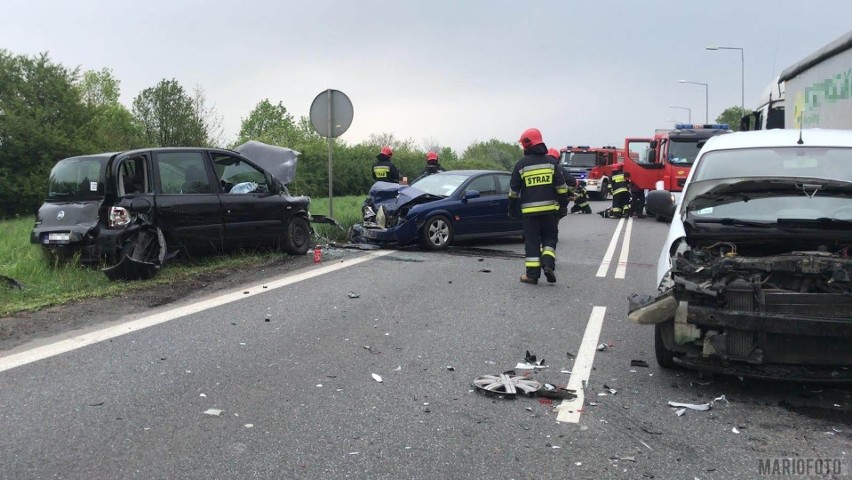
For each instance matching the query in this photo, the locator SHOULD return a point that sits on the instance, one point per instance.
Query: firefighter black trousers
(541, 232)
(619, 202)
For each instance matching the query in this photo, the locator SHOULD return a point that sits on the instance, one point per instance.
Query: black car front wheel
(297, 239)
(437, 233)
(665, 357)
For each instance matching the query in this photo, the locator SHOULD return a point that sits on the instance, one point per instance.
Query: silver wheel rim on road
(439, 232)
(507, 384)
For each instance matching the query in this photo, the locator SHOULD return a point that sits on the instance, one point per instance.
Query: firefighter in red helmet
(384, 170)
(539, 194)
(432, 166)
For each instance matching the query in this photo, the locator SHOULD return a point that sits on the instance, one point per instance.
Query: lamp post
(742, 74)
(689, 110)
(706, 98)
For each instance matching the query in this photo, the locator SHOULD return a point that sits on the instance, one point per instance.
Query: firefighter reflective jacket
(537, 183)
(385, 171)
(619, 184)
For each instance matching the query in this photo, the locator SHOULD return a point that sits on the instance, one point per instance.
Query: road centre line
(610, 251)
(621, 268)
(569, 410)
(66, 345)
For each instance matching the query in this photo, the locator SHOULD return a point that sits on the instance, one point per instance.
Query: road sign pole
(330, 151)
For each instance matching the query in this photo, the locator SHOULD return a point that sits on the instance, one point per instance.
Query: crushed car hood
(393, 196)
(278, 161)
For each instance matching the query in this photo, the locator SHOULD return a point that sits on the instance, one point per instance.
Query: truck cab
(661, 164)
(593, 166)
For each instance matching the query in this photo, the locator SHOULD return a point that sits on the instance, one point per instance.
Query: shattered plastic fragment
(735, 430)
(397, 368)
(639, 363)
(602, 347)
(451, 368)
(555, 447)
(249, 425)
(701, 407)
(679, 412)
(377, 378)
(213, 412)
(353, 453)
(354, 295)
(529, 366)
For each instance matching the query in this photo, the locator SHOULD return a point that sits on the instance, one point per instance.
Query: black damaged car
(132, 210)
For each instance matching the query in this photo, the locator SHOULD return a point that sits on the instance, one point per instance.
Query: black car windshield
(75, 178)
(580, 159)
(683, 152)
(442, 184)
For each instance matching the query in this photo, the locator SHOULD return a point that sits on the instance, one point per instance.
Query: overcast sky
(456, 71)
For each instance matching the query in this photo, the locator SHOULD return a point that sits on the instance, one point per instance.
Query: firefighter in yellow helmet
(538, 194)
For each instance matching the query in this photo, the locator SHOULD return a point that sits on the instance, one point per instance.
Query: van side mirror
(652, 144)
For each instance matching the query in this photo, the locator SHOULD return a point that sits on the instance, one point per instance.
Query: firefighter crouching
(581, 200)
(539, 193)
(384, 170)
(620, 194)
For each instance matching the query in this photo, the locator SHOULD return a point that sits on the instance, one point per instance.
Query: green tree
(42, 120)
(111, 126)
(732, 116)
(495, 152)
(168, 117)
(209, 121)
(271, 124)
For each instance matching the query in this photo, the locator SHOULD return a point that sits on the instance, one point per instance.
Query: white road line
(569, 410)
(610, 251)
(621, 269)
(62, 346)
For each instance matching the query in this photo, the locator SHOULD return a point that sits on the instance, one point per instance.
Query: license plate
(58, 237)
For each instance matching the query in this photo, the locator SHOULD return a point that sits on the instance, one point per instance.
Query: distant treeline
(49, 112)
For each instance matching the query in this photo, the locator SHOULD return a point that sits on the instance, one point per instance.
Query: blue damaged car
(437, 210)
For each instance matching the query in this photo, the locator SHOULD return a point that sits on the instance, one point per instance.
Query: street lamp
(706, 98)
(684, 108)
(742, 73)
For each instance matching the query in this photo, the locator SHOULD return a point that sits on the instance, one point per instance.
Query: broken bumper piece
(402, 234)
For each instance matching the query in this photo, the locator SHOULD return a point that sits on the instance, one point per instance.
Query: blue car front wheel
(437, 233)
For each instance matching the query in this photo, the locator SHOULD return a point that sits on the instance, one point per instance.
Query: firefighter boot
(530, 280)
(548, 264)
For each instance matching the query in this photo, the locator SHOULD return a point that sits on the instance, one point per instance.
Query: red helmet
(387, 151)
(431, 157)
(530, 138)
(553, 153)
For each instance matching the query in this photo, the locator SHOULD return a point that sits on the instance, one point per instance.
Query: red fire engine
(661, 164)
(592, 165)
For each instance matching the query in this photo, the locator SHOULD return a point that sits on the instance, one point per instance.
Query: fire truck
(593, 166)
(661, 164)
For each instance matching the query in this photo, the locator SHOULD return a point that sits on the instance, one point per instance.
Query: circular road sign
(332, 103)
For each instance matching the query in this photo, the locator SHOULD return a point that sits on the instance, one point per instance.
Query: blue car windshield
(441, 184)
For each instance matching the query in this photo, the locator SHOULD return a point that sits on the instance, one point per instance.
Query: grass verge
(46, 285)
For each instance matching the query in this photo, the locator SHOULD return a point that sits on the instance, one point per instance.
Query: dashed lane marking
(570, 410)
(621, 268)
(610, 251)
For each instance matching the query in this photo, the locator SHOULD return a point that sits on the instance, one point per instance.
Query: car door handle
(166, 207)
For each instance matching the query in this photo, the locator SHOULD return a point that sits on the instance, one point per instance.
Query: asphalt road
(298, 398)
